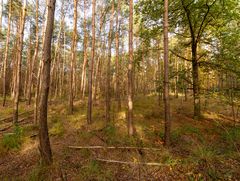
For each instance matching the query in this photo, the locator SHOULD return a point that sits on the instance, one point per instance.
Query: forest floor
(208, 149)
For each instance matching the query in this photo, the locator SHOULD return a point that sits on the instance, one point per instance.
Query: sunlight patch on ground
(28, 146)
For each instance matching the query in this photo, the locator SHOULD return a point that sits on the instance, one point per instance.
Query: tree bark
(166, 79)
(45, 148)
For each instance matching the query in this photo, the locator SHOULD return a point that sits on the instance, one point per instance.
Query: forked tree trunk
(45, 148)
(19, 62)
(166, 79)
(130, 72)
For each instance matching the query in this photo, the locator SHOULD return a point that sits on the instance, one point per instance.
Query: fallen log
(131, 163)
(114, 147)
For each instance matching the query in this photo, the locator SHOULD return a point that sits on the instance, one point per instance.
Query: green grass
(12, 141)
(94, 171)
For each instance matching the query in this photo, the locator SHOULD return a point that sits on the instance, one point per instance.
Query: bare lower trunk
(195, 75)
(45, 149)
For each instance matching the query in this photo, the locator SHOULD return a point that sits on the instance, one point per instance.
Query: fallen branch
(113, 147)
(130, 163)
(10, 118)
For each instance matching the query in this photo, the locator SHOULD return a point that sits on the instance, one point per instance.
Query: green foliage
(94, 171)
(110, 133)
(13, 141)
(203, 152)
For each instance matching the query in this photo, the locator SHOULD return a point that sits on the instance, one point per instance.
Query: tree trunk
(1, 56)
(130, 72)
(35, 56)
(108, 71)
(118, 97)
(38, 86)
(90, 66)
(5, 63)
(195, 75)
(19, 62)
(85, 41)
(166, 79)
(73, 59)
(45, 149)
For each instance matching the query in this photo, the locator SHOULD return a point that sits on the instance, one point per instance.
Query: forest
(119, 90)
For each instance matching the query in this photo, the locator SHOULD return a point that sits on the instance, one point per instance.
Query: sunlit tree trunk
(19, 62)
(45, 148)
(166, 79)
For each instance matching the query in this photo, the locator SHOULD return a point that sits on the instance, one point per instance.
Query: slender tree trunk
(85, 41)
(35, 57)
(118, 97)
(108, 71)
(45, 148)
(5, 63)
(19, 62)
(90, 66)
(29, 63)
(39, 74)
(73, 59)
(166, 79)
(56, 59)
(1, 56)
(130, 72)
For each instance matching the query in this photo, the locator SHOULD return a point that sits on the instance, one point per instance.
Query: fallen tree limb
(114, 147)
(10, 118)
(130, 163)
